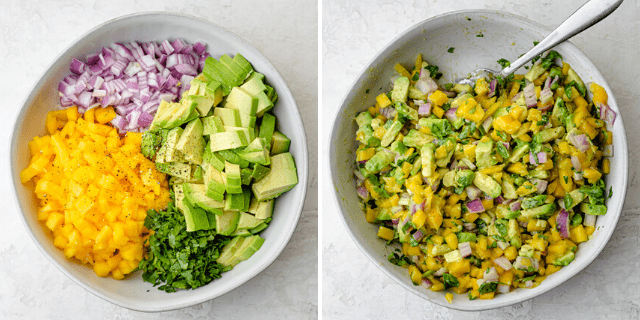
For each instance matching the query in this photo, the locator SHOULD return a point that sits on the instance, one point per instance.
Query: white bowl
(132, 292)
(504, 36)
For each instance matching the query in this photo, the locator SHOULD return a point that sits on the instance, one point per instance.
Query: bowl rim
(302, 164)
(363, 247)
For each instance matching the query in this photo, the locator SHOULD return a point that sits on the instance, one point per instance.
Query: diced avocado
(593, 209)
(196, 193)
(458, 178)
(576, 196)
(538, 174)
(559, 113)
(565, 259)
(151, 142)
(391, 133)
(211, 125)
(428, 160)
(519, 152)
(267, 127)
(240, 60)
(257, 88)
(160, 155)
(245, 103)
(247, 249)
(466, 237)
(195, 218)
(214, 184)
(532, 202)
(197, 87)
(229, 249)
(544, 211)
(416, 94)
(229, 117)
(246, 176)
(246, 193)
(185, 113)
(256, 152)
(364, 118)
(417, 139)
(203, 103)
(483, 154)
(549, 134)
(176, 169)
(248, 132)
(441, 249)
(450, 147)
(258, 75)
(227, 222)
(233, 157)
(259, 172)
(439, 127)
(380, 159)
(400, 89)
(233, 178)
(259, 228)
(179, 196)
(172, 154)
(234, 202)
(248, 221)
(508, 190)
(461, 88)
(227, 140)
(223, 73)
(458, 101)
(573, 76)
(241, 232)
(281, 178)
(365, 131)
(514, 234)
(191, 143)
(213, 159)
(526, 251)
(240, 73)
(279, 143)
(487, 184)
(197, 174)
(405, 112)
(214, 91)
(534, 72)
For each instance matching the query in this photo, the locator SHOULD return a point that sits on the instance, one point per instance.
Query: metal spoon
(586, 16)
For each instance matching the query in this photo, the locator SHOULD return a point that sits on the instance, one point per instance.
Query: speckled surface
(354, 288)
(33, 33)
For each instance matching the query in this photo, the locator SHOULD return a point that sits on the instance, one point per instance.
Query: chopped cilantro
(450, 281)
(451, 50)
(488, 287)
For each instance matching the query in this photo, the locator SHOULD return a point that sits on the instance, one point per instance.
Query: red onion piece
(607, 114)
(426, 283)
(490, 275)
(589, 220)
(426, 85)
(424, 109)
(580, 141)
(473, 192)
(451, 114)
(486, 124)
(363, 192)
(528, 284)
(475, 206)
(492, 88)
(540, 184)
(440, 272)
(515, 206)
(530, 95)
(465, 249)
(388, 112)
(517, 96)
(503, 262)
(503, 288)
(562, 221)
(418, 235)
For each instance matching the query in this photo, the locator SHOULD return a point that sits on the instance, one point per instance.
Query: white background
(33, 33)
(354, 288)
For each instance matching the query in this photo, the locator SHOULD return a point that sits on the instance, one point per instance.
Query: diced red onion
(418, 235)
(388, 112)
(473, 192)
(491, 275)
(503, 288)
(465, 249)
(607, 114)
(363, 193)
(426, 85)
(533, 262)
(562, 221)
(530, 95)
(528, 284)
(486, 124)
(424, 109)
(451, 114)
(541, 185)
(589, 220)
(469, 226)
(440, 272)
(503, 245)
(545, 96)
(395, 221)
(492, 88)
(517, 96)
(580, 141)
(503, 262)
(475, 206)
(426, 283)
(515, 206)
(449, 94)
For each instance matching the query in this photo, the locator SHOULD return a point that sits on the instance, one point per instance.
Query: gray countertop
(33, 33)
(354, 288)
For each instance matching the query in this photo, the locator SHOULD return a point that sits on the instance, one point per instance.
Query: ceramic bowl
(132, 292)
(480, 38)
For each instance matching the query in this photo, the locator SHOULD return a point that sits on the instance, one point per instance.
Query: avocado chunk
(593, 209)
(483, 154)
(227, 140)
(256, 88)
(544, 211)
(514, 234)
(233, 177)
(249, 133)
(259, 228)
(229, 117)
(234, 67)
(267, 127)
(233, 157)
(197, 87)
(261, 209)
(400, 89)
(234, 202)
(256, 152)
(195, 218)
(151, 142)
(380, 160)
(179, 196)
(417, 139)
(212, 159)
(176, 169)
(485, 183)
(575, 197)
(259, 172)
(245, 103)
(428, 160)
(281, 178)
(248, 221)
(519, 152)
(211, 125)
(249, 246)
(279, 143)
(229, 249)
(459, 100)
(214, 91)
(549, 134)
(170, 153)
(391, 133)
(565, 259)
(203, 103)
(196, 193)
(191, 143)
(214, 184)
(227, 222)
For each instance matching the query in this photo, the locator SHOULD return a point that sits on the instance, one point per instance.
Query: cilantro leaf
(450, 281)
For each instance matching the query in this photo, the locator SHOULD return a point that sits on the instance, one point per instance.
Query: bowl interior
(132, 292)
(480, 38)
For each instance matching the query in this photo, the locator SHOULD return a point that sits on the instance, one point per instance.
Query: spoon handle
(586, 16)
